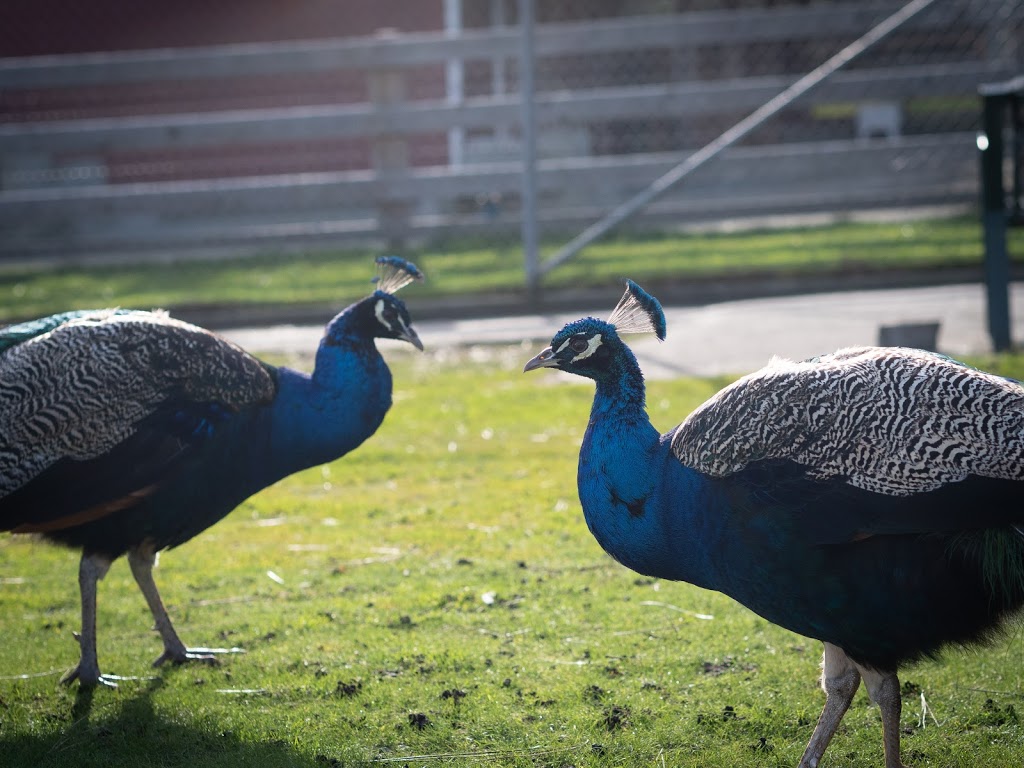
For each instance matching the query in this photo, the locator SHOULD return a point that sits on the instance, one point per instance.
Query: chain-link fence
(946, 48)
(256, 125)
(893, 126)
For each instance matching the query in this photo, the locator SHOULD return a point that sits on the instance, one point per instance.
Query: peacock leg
(884, 690)
(840, 680)
(91, 569)
(141, 559)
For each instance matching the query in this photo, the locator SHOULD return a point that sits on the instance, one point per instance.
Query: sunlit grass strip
(474, 267)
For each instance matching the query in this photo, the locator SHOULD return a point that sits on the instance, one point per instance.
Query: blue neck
(644, 508)
(316, 419)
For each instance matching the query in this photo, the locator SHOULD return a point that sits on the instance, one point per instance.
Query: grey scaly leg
(840, 680)
(91, 569)
(141, 559)
(884, 690)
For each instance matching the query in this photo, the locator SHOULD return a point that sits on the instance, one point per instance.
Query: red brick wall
(35, 27)
(38, 27)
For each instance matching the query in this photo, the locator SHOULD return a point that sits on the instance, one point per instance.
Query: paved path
(729, 337)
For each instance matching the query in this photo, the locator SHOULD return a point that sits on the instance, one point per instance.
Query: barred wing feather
(888, 420)
(79, 389)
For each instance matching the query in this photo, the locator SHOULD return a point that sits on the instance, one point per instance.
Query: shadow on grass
(98, 730)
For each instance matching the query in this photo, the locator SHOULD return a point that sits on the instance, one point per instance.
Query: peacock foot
(87, 670)
(88, 676)
(185, 655)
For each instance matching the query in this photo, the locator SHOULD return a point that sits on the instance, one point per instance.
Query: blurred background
(143, 130)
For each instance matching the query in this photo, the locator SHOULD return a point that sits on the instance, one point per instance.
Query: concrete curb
(691, 292)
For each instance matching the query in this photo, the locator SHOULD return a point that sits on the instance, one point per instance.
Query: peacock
(130, 432)
(869, 498)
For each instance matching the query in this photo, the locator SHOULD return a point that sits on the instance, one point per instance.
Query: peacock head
(382, 315)
(591, 347)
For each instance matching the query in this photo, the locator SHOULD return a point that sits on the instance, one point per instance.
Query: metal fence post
(390, 156)
(529, 150)
(454, 76)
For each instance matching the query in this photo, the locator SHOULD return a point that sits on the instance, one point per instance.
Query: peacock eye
(579, 345)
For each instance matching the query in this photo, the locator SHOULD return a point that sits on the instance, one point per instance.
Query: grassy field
(436, 599)
(466, 268)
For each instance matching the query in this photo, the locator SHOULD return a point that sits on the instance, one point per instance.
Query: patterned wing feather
(80, 389)
(892, 421)
(12, 335)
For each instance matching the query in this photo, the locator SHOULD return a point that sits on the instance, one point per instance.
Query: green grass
(476, 267)
(442, 575)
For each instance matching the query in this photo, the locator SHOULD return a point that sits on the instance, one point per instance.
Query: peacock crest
(394, 273)
(638, 312)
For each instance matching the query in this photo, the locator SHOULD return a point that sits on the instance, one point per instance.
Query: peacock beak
(545, 359)
(408, 334)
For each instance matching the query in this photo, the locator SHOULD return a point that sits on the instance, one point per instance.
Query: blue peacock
(129, 432)
(869, 498)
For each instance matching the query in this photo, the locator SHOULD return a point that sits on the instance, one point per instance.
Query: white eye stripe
(592, 344)
(564, 345)
(378, 311)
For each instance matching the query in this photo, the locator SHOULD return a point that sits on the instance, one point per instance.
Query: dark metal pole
(994, 215)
